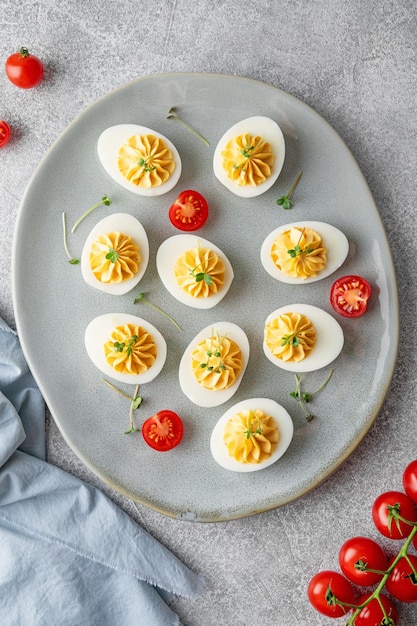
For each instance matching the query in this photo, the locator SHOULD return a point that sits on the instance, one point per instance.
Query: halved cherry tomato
(4, 133)
(328, 587)
(372, 614)
(361, 553)
(349, 296)
(402, 582)
(189, 211)
(23, 69)
(163, 431)
(387, 510)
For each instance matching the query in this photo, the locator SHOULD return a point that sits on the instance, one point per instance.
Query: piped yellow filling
(251, 436)
(130, 349)
(299, 253)
(146, 161)
(200, 272)
(216, 362)
(290, 337)
(114, 258)
(248, 160)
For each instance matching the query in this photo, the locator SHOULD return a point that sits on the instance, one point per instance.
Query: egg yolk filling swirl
(130, 349)
(114, 258)
(216, 362)
(248, 160)
(200, 272)
(251, 436)
(290, 337)
(299, 253)
(146, 161)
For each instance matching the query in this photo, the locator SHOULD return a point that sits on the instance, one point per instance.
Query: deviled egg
(125, 347)
(252, 435)
(249, 156)
(304, 252)
(213, 364)
(194, 270)
(115, 254)
(139, 159)
(302, 338)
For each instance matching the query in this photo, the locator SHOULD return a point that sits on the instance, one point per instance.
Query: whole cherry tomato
(325, 588)
(402, 582)
(23, 69)
(349, 296)
(359, 553)
(4, 133)
(410, 480)
(372, 614)
(189, 211)
(163, 431)
(385, 510)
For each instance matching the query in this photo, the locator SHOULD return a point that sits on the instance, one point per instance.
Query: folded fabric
(68, 554)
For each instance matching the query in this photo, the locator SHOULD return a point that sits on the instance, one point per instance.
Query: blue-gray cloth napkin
(68, 554)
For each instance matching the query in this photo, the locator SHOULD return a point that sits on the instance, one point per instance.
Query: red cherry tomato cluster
(364, 563)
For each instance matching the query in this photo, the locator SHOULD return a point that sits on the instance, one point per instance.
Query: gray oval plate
(53, 304)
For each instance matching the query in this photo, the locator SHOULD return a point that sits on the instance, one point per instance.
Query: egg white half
(195, 392)
(269, 407)
(168, 253)
(335, 242)
(113, 138)
(121, 223)
(260, 126)
(329, 339)
(98, 332)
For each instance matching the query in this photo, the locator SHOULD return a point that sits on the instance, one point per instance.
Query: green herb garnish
(173, 116)
(105, 200)
(285, 201)
(201, 276)
(214, 353)
(72, 260)
(304, 397)
(135, 403)
(112, 255)
(141, 298)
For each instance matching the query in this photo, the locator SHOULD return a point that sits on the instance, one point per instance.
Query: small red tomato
(189, 211)
(325, 588)
(349, 296)
(402, 582)
(372, 614)
(386, 511)
(163, 431)
(23, 69)
(4, 133)
(410, 480)
(358, 554)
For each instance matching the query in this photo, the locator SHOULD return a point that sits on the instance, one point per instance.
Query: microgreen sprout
(112, 255)
(173, 116)
(290, 340)
(135, 403)
(119, 347)
(105, 200)
(249, 432)
(285, 201)
(141, 298)
(298, 250)
(303, 397)
(201, 276)
(217, 354)
(144, 163)
(72, 260)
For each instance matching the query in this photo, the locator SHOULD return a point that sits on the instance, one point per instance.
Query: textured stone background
(355, 64)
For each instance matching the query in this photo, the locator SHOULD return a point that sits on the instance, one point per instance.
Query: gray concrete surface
(355, 64)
